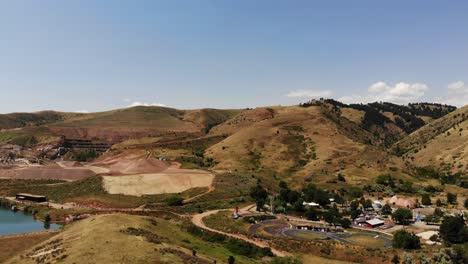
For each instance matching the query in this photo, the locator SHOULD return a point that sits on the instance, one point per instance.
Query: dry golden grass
(442, 143)
(447, 150)
(115, 238)
(14, 245)
(366, 241)
(301, 142)
(311, 259)
(353, 115)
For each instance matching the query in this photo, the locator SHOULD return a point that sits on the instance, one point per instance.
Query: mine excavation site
(129, 172)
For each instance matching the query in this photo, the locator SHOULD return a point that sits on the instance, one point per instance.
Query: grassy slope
(86, 191)
(14, 245)
(442, 142)
(127, 123)
(302, 142)
(16, 120)
(84, 242)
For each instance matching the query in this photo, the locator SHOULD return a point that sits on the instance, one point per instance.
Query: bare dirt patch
(171, 180)
(130, 162)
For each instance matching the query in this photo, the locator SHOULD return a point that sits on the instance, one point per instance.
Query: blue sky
(100, 55)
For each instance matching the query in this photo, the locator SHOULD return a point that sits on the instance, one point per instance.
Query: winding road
(198, 221)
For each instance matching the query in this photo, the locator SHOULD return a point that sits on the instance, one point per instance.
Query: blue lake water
(18, 223)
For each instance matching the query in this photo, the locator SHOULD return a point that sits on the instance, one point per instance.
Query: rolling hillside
(115, 126)
(303, 143)
(442, 143)
(315, 140)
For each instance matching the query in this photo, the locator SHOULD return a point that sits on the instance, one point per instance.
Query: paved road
(277, 227)
(198, 221)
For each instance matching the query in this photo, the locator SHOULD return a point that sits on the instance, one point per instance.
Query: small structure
(312, 204)
(374, 223)
(31, 197)
(314, 228)
(377, 205)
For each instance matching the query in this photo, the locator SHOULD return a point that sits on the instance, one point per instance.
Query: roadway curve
(198, 221)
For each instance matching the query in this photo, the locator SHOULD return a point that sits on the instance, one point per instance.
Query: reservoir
(17, 223)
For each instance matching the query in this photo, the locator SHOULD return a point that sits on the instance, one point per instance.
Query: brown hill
(442, 143)
(303, 142)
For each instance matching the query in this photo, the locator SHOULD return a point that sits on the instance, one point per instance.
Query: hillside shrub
(426, 199)
(451, 198)
(175, 201)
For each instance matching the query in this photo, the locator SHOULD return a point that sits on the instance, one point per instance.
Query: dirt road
(198, 221)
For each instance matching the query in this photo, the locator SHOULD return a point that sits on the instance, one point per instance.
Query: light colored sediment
(171, 180)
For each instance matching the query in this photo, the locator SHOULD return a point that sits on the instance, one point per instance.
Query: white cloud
(457, 94)
(81, 111)
(145, 104)
(310, 93)
(400, 93)
(127, 100)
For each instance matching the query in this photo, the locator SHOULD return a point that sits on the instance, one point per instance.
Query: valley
(320, 181)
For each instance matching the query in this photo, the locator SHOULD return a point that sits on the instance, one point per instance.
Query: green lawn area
(310, 236)
(225, 222)
(366, 241)
(178, 236)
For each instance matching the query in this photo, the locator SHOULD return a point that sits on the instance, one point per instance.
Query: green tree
(367, 204)
(402, 216)
(231, 260)
(453, 230)
(331, 216)
(386, 209)
(47, 218)
(439, 203)
(299, 205)
(426, 199)
(354, 210)
(312, 214)
(405, 240)
(451, 198)
(260, 195)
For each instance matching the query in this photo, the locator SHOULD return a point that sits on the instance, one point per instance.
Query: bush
(175, 201)
(426, 199)
(341, 178)
(85, 155)
(404, 240)
(285, 260)
(385, 179)
(451, 198)
(246, 249)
